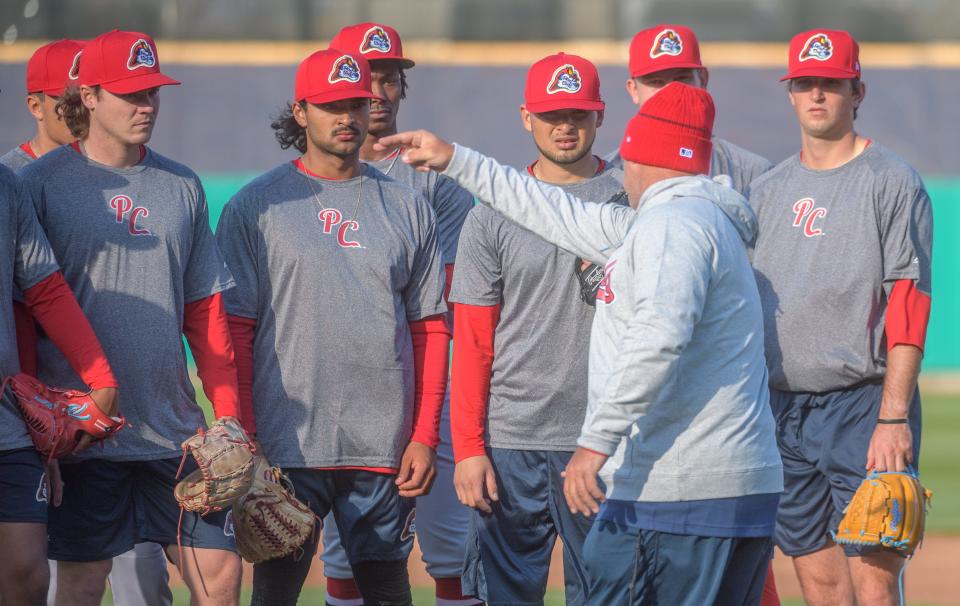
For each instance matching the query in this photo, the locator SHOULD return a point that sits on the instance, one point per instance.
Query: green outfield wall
(943, 337)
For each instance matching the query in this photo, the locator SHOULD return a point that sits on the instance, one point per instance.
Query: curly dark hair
(74, 113)
(287, 131)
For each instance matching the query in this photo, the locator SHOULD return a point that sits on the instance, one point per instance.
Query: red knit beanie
(672, 130)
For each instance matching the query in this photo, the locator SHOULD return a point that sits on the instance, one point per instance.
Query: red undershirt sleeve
(205, 326)
(242, 332)
(448, 274)
(53, 305)
(473, 330)
(908, 311)
(431, 355)
(26, 338)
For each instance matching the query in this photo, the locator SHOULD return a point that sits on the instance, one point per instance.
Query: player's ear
(526, 118)
(632, 90)
(33, 105)
(704, 77)
(89, 95)
(859, 91)
(299, 111)
(599, 118)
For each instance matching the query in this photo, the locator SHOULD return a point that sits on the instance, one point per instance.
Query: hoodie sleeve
(667, 272)
(591, 230)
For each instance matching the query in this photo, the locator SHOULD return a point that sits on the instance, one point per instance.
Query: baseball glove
(889, 509)
(269, 522)
(589, 275)
(224, 473)
(57, 418)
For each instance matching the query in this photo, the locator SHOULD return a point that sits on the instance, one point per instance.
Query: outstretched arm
(587, 229)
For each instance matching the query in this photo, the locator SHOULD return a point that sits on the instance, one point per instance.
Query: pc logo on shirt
(566, 79)
(122, 205)
(345, 69)
(817, 47)
(141, 55)
(376, 39)
(805, 215)
(667, 42)
(330, 218)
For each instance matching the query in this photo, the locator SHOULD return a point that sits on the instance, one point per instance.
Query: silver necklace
(316, 194)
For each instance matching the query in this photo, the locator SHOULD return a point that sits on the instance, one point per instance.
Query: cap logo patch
(686, 152)
(345, 69)
(818, 47)
(565, 79)
(376, 39)
(141, 55)
(74, 72)
(667, 42)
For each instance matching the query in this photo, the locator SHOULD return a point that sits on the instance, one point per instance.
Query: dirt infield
(932, 576)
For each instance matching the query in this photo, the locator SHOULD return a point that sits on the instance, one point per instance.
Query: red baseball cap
(562, 81)
(374, 42)
(122, 63)
(332, 75)
(824, 53)
(663, 47)
(673, 129)
(53, 66)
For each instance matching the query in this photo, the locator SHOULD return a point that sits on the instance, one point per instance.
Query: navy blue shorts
(110, 506)
(23, 487)
(823, 441)
(508, 551)
(375, 522)
(629, 566)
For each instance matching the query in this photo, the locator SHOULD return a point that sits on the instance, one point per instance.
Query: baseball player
(339, 324)
(521, 330)
(843, 265)
(29, 266)
(140, 575)
(131, 230)
(441, 519)
(670, 53)
(678, 423)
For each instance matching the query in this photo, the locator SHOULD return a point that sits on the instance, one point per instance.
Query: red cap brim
(821, 71)
(138, 83)
(338, 95)
(559, 103)
(652, 68)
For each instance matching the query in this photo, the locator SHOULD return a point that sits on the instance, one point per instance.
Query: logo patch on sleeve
(566, 79)
(345, 69)
(141, 55)
(818, 47)
(376, 40)
(667, 42)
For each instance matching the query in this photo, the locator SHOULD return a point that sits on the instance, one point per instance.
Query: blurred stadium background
(236, 59)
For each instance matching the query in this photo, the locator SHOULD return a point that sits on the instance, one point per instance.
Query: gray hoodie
(677, 384)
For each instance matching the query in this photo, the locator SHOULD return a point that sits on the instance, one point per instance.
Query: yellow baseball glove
(889, 509)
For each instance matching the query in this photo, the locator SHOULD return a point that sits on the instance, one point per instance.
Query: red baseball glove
(57, 418)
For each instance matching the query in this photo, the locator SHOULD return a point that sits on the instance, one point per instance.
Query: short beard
(564, 161)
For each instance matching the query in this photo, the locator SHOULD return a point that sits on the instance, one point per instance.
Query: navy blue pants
(632, 567)
(823, 441)
(508, 551)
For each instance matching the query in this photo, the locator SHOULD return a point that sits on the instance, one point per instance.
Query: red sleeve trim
(242, 332)
(473, 331)
(908, 312)
(205, 326)
(431, 355)
(448, 276)
(26, 338)
(53, 305)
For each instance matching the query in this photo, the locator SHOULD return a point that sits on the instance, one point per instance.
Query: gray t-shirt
(538, 383)
(333, 273)
(26, 260)
(830, 246)
(135, 245)
(449, 201)
(740, 165)
(16, 158)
